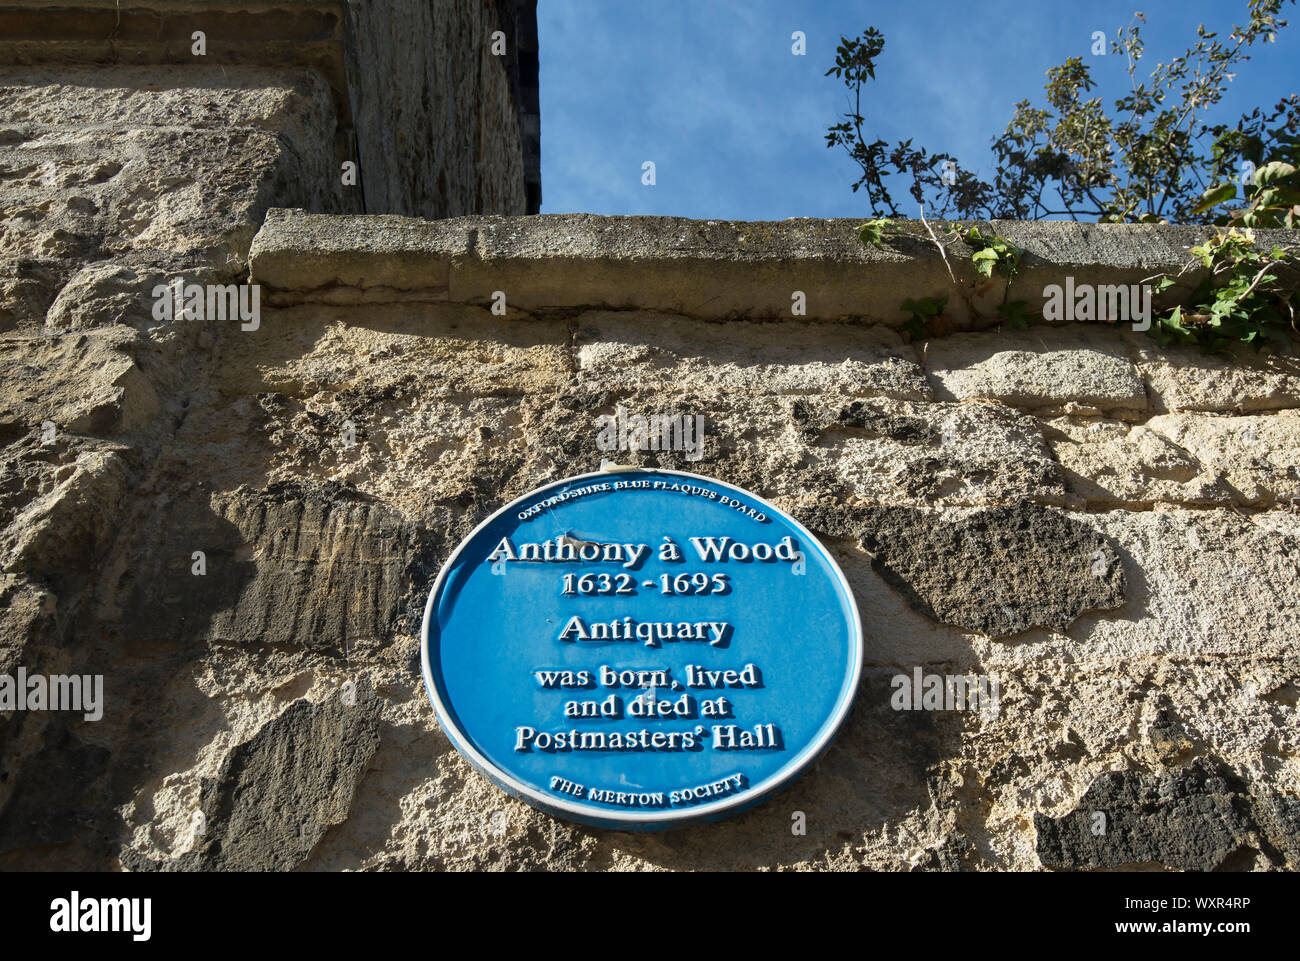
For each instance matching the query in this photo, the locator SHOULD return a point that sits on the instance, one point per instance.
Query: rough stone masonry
(1106, 527)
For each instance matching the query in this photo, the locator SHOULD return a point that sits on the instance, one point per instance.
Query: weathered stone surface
(617, 351)
(242, 35)
(392, 68)
(27, 288)
(304, 253)
(25, 612)
(278, 792)
(127, 444)
(1203, 818)
(1200, 583)
(1115, 571)
(1244, 380)
(1000, 571)
(293, 565)
(61, 530)
(1084, 372)
(1110, 463)
(1257, 458)
(713, 269)
(286, 100)
(47, 809)
(911, 453)
(83, 383)
(105, 294)
(189, 175)
(445, 149)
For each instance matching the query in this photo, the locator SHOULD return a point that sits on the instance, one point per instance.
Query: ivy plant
(1244, 299)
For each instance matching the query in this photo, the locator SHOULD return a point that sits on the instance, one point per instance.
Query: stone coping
(279, 34)
(709, 269)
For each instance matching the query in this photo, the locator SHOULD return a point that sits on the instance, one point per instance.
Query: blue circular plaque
(641, 649)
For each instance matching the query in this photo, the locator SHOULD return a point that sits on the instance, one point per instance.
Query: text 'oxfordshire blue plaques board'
(641, 649)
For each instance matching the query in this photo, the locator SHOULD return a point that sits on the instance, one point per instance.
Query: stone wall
(442, 127)
(440, 116)
(127, 160)
(1106, 527)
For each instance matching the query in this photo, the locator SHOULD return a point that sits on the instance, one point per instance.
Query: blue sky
(709, 91)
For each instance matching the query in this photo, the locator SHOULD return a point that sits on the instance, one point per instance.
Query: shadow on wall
(150, 631)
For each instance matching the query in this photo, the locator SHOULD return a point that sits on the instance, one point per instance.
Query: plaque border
(743, 799)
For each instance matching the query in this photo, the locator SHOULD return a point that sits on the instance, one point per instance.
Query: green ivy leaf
(1015, 314)
(1215, 196)
(1272, 173)
(915, 326)
(872, 233)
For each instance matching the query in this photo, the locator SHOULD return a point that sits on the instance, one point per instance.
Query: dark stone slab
(278, 792)
(999, 571)
(1205, 817)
